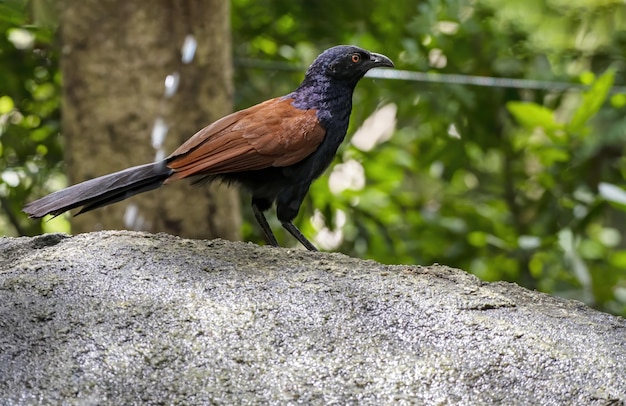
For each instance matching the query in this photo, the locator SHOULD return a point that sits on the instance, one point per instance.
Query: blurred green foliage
(521, 185)
(30, 150)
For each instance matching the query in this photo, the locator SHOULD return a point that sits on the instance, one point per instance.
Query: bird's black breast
(332, 101)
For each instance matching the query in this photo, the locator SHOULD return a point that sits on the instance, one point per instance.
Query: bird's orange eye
(356, 58)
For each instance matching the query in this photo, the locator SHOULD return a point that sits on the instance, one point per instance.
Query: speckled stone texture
(125, 318)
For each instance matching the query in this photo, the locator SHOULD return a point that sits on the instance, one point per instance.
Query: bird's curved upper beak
(377, 60)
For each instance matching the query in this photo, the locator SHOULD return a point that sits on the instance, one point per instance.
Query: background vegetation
(515, 184)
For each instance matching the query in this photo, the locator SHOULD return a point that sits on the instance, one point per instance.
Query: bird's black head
(347, 63)
(330, 80)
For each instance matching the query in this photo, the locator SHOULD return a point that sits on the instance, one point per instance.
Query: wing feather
(272, 133)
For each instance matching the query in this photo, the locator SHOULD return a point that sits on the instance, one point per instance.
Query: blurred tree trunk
(115, 57)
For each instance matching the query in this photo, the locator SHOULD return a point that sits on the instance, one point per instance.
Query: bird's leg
(257, 208)
(299, 236)
(287, 206)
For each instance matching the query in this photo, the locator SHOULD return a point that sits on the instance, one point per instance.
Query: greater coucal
(274, 149)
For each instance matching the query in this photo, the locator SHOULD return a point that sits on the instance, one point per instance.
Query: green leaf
(593, 99)
(477, 238)
(532, 115)
(6, 104)
(618, 100)
(618, 259)
(549, 156)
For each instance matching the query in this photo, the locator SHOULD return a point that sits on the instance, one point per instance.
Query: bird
(274, 149)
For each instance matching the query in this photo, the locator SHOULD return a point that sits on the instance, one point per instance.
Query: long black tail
(101, 191)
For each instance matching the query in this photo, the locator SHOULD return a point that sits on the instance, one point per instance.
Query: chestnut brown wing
(272, 133)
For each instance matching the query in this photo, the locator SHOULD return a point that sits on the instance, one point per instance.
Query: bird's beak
(380, 60)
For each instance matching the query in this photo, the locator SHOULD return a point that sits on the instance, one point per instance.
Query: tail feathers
(101, 191)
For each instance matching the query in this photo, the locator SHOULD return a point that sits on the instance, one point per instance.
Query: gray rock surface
(123, 318)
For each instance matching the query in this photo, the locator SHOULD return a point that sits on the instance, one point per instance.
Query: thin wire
(430, 77)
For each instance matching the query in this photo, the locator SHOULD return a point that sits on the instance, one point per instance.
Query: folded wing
(273, 133)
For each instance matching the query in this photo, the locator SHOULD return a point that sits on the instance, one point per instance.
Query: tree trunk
(116, 55)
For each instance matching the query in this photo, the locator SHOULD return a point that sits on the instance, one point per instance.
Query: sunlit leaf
(587, 77)
(619, 259)
(531, 115)
(477, 238)
(6, 104)
(593, 99)
(549, 156)
(618, 100)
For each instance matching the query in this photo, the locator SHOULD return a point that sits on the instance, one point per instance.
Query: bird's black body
(275, 149)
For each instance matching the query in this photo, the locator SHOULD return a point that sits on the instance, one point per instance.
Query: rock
(122, 318)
